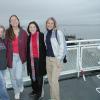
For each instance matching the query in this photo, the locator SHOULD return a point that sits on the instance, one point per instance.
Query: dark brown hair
(10, 31)
(37, 27)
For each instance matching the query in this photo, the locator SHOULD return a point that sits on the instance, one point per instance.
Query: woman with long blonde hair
(55, 54)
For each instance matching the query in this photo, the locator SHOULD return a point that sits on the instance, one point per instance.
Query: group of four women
(42, 52)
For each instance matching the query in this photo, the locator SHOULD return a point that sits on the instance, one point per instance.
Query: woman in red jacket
(16, 41)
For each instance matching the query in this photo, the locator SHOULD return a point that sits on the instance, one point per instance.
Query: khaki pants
(53, 70)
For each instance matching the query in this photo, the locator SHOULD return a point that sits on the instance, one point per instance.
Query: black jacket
(42, 56)
(3, 60)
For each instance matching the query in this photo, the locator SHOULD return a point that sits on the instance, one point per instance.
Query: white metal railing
(82, 45)
(76, 55)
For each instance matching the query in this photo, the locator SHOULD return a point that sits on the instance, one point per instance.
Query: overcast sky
(65, 11)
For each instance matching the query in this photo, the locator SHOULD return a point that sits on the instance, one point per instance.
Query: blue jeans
(16, 74)
(3, 92)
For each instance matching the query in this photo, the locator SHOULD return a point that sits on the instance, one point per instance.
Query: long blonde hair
(53, 19)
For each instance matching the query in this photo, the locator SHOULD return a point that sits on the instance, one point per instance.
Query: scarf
(31, 55)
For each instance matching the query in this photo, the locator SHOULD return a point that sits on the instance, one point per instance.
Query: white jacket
(58, 46)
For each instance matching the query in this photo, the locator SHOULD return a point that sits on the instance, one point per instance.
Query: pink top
(15, 45)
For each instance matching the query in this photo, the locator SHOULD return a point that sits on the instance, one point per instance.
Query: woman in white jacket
(55, 47)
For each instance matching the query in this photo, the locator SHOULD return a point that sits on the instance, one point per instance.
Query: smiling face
(14, 21)
(50, 24)
(32, 28)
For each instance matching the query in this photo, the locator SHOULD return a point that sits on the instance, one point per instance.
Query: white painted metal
(79, 46)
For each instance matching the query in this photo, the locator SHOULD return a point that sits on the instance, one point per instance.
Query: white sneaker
(17, 96)
(21, 89)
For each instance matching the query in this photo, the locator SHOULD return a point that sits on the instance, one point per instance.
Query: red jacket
(22, 44)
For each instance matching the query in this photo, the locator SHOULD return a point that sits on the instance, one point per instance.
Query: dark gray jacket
(3, 60)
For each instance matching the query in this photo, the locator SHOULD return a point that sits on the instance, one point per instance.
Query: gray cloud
(65, 11)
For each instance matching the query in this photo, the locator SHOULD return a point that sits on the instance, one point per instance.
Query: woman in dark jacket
(3, 65)
(36, 58)
(16, 41)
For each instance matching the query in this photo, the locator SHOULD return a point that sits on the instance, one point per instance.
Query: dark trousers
(37, 84)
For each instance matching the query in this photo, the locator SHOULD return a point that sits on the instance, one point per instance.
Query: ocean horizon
(81, 31)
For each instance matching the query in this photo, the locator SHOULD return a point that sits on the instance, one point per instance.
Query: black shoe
(32, 93)
(38, 97)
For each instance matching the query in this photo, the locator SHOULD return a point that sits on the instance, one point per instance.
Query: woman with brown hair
(16, 42)
(36, 58)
